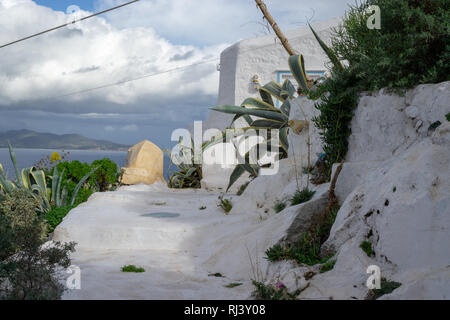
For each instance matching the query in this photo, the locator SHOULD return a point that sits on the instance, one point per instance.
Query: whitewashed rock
(380, 127)
(412, 112)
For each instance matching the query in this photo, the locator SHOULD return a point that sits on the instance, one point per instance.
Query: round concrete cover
(161, 215)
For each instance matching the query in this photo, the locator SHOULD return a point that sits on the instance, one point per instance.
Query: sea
(30, 157)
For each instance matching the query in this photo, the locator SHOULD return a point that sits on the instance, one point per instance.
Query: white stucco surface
(178, 254)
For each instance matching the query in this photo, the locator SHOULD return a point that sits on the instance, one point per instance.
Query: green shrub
(28, 271)
(411, 48)
(447, 116)
(302, 196)
(106, 175)
(279, 206)
(132, 268)
(55, 216)
(366, 246)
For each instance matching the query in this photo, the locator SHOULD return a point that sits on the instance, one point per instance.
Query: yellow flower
(55, 157)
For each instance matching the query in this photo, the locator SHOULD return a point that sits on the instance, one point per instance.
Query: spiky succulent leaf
(284, 142)
(286, 108)
(330, 53)
(297, 66)
(262, 113)
(266, 97)
(266, 124)
(58, 189)
(236, 174)
(256, 103)
(12, 155)
(274, 89)
(82, 181)
(38, 177)
(289, 87)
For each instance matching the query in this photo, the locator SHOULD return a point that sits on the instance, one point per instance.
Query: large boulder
(144, 164)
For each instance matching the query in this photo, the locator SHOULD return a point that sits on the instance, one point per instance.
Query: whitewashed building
(265, 59)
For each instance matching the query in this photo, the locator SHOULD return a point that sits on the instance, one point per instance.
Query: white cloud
(216, 21)
(93, 54)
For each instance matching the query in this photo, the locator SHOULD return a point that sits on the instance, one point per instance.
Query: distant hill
(39, 140)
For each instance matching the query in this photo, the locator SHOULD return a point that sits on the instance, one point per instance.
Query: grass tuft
(279, 206)
(225, 204)
(366, 246)
(132, 268)
(327, 266)
(302, 196)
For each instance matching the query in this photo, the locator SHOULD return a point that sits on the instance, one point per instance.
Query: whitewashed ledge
(165, 232)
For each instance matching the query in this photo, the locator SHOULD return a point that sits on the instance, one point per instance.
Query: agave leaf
(236, 174)
(284, 139)
(58, 190)
(65, 192)
(39, 179)
(266, 97)
(38, 193)
(262, 113)
(82, 181)
(297, 66)
(6, 185)
(190, 172)
(247, 118)
(25, 176)
(257, 103)
(12, 155)
(274, 89)
(289, 87)
(55, 178)
(330, 53)
(267, 124)
(286, 108)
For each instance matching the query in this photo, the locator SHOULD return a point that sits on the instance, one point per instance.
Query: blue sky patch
(61, 5)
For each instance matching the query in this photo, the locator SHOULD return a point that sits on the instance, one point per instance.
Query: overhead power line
(177, 69)
(130, 80)
(69, 23)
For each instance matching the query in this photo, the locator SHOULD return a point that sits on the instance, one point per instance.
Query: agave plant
(58, 195)
(28, 179)
(262, 114)
(34, 181)
(268, 116)
(189, 172)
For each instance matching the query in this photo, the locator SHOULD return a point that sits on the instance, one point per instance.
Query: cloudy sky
(46, 82)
